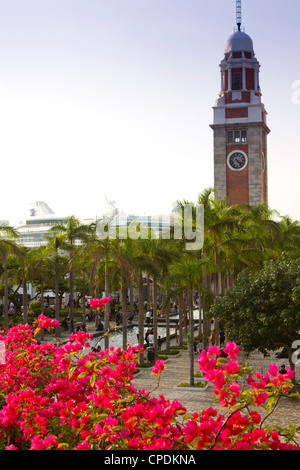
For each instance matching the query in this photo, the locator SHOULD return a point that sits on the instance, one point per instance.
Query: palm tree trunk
(71, 300)
(42, 304)
(217, 289)
(192, 379)
(57, 300)
(154, 286)
(148, 292)
(206, 322)
(141, 318)
(200, 316)
(180, 314)
(185, 310)
(131, 300)
(124, 316)
(25, 307)
(166, 307)
(106, 316)
(42, 295)
(83, 299)
(5, 294)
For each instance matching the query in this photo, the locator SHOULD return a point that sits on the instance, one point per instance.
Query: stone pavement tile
(177, 371)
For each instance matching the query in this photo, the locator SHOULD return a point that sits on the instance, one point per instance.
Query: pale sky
(113, 99)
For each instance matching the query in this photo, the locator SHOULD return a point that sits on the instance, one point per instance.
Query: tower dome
(239, 41)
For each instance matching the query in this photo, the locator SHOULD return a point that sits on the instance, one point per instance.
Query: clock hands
(237, 161)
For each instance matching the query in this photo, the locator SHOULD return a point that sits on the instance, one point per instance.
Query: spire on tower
(239, 14)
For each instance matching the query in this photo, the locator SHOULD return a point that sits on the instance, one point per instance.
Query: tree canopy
(261, 311)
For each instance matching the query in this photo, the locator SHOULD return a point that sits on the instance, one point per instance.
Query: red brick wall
(237, 187)
(245, 98)
(250, 79)
(226, 80)
(237, 181)
(233, 113)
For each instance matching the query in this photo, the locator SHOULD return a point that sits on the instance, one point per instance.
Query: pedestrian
(222, 338)
(200, 346)
(148, 317)
(176, 332)
(188, 338)
(151, 339)
(282, 370)
(64, 324)
(147, 337)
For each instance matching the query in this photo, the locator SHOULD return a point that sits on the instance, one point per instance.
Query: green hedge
(36, 308)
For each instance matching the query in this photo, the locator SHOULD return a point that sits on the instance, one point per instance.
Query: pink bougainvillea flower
(45, 322)
(231, 367)
(99, 303)
(273, 369)
(261, 398)
(256, 418)
(213, 351)
(235, 388)
(158, 367)
(56, 397)
(232, 350)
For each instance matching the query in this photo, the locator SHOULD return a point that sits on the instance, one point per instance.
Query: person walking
(176, 332)
(188, 339)
(147, 337)
(151, 339)
(282, 370)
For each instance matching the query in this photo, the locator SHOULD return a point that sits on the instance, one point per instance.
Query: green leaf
(93, 380)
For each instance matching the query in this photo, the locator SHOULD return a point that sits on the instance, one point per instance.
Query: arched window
(237, 79)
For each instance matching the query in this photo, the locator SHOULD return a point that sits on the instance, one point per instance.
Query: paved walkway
(178, 370)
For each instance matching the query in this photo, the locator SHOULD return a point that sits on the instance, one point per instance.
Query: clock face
(237, 161)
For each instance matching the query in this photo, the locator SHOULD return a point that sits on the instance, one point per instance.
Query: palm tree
(163, 253)
(224, 241)
(72, 232)
(108, 252)
(123, 254)
(262, 232)
(82, 268)
(7, 246)
(101, 252)
(39, 269)
(140, 265)
(158, 253)
(187, 273)
(226, 244)
(54, 246)
(23, 270)
(291, 235)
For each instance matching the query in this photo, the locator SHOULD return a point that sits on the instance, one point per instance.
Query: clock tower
(240, 125)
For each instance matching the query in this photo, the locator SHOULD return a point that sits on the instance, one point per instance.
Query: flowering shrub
(99, 303)
(56, 397)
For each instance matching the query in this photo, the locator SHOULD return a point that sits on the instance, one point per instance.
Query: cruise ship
(34, 229)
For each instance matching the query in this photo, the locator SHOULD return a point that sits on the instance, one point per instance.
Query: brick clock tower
(240, 125)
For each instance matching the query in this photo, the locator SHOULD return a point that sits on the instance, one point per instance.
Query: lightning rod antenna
(239, 14)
